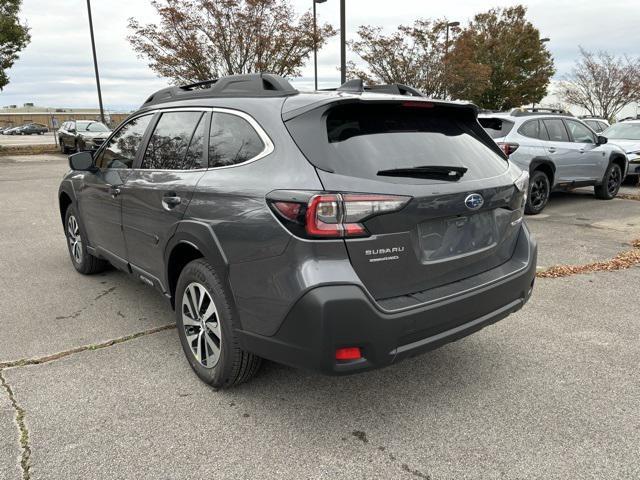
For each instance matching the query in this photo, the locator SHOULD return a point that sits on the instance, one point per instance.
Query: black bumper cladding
(337, 316)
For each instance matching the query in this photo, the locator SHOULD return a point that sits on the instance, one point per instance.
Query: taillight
(333, 215)
(508, 148)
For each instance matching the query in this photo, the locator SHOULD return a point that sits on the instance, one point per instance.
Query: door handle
(552, 150)
(581, 150)
(171, 200)
(115, 191)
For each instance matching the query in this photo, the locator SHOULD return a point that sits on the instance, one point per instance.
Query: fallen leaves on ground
(621, 261)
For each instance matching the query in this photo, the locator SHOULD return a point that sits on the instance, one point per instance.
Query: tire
(611, 182)
(539, 190)
(212, 324)
(82, 260)
(63, 148)
(77, 148)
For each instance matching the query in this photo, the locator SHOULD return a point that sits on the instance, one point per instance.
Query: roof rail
(524, 111)
(595, 117)
(249, 85)
(357, 86)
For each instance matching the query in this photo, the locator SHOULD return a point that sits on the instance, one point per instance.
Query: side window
(232, 140)
(121, 150)
(579, 132)
(556, 130)
(176, 142)
(530, 129)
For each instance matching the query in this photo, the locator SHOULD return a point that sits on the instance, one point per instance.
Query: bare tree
(202, 39)
(602, 83)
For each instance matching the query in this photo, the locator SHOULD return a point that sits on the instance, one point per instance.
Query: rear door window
(496, 127)
(176, 142)
(359, 140)
(556, 130)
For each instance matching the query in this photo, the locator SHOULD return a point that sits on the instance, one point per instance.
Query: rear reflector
(348, 353)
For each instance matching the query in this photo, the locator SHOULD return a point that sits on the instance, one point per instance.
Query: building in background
(13, 116)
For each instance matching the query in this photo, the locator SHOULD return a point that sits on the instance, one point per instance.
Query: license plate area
(462, 235)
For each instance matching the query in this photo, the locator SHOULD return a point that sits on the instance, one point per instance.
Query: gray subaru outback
(338, 231)
(559, 151)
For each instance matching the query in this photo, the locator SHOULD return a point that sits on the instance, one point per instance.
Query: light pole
(343, 44)
(315, 44)
(95, 61)
(446, 55)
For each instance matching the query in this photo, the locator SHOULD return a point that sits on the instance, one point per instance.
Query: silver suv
(559, 151)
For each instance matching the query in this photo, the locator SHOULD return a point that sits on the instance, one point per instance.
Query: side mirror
(82, 161)
(602, 140)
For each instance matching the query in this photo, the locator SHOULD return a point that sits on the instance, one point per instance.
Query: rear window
(496, 127)
(359, 140)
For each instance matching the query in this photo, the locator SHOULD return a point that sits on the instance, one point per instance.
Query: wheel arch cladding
(619, 160)
(545, 166)
(192, 240)
(64, 200)
(181, 254)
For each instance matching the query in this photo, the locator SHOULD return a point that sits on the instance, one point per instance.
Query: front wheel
(205, 322)
(539, 190)
(82, 260)
(611, 182)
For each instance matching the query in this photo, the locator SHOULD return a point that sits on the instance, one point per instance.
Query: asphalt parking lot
(12, 140)
(551, 392)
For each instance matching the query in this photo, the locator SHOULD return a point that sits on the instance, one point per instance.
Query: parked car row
(28, 129)
(559, 151)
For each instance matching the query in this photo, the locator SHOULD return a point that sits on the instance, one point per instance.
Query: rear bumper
(335, 316)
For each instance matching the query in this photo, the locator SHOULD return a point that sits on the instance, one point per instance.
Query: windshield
(91, 127)
(623, 131)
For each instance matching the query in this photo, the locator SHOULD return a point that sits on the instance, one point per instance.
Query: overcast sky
(56, 68)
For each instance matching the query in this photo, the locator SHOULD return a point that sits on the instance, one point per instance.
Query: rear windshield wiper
(434, 172)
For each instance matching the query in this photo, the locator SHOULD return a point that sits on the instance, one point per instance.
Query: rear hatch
(463, 216)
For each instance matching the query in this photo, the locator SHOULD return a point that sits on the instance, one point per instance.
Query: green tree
(508, 46)
(202, 39)
(14, 36)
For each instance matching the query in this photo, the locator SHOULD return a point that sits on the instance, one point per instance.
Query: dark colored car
(338, 231)
(33, 129)
(81, 135)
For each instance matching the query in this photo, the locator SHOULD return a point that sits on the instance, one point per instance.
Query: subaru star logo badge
(474, 201)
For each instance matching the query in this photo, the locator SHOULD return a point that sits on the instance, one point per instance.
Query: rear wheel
(611, 182)
(82, 260)
(539, 190)
(205, 321)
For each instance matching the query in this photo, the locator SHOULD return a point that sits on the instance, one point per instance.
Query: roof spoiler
(358, 86)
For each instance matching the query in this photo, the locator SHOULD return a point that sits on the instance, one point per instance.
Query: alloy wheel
(75, 239)
(201, 325)
(539, 193)
(613, 181)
